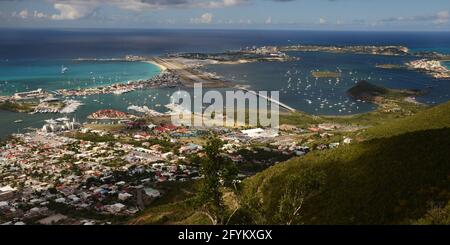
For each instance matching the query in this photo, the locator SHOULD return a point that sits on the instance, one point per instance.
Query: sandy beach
(159, 65)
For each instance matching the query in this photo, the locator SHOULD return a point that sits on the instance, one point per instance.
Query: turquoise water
(153, 98)
(16, 76)
(23, 75)
(447, 64)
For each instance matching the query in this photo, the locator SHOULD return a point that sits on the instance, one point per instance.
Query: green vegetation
(325, 74)
(183, 212)
(92, 137)
(392, 177)
(436, 216)
(300, 119)
(390, 66)
(376, 182)
(364, 90)
(17, 107)
(259, 159)
(389, 179)
(216, 169)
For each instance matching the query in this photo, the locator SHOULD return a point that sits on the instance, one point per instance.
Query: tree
(299, 188)
(437, 215)
(218, 171)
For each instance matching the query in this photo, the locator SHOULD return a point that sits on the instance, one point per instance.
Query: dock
(280, 104)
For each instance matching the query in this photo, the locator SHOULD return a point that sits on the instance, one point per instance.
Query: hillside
(391, 179)
(366, 91)
(432, 118)
(400, 174)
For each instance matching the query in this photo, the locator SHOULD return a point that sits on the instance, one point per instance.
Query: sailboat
(64, 69)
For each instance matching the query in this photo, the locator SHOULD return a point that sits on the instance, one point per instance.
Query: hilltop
(366, 91)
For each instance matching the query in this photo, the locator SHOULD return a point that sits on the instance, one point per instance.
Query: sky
(395, 15)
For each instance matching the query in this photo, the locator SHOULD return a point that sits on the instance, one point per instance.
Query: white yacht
(64, 69)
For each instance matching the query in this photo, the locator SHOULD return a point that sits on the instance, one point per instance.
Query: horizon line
(219, 29)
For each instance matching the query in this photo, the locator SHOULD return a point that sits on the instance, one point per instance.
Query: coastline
(435, 68)
(188, 77)
(161, 67)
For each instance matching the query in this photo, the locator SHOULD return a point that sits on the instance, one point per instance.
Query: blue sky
(408, 15)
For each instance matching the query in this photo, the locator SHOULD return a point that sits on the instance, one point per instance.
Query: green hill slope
(390, 179)
(431, 118)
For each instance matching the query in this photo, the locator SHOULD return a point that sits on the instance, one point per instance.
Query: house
(6, 193)
(124, 196)
(115, 208)
(190, 148)
(334, 145)
(260, 133)
(60, 200)
(347, 140)
(4, 205)
(152, 192)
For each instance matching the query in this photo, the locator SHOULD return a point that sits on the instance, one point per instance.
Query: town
(73, 173)
(432, 67)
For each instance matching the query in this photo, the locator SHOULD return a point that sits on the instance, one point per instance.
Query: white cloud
(247, 22)
(269, 20)
(23, 14)
(322, 21)
(39, 15)
(72, 11)
(439, 18)
(205, 18)
(77, 9)
(220, 3)
(442, 17)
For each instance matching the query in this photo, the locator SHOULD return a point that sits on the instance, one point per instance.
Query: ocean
(23, 75)
(31, 59)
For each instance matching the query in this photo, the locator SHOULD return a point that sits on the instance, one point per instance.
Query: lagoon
(24, 75)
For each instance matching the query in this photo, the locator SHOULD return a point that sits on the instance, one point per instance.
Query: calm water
(32, 59)
(447, 64)
(301, 90)
(22, 75)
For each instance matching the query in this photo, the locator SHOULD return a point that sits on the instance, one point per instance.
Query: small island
(390, 66)
(366, 91)
(325, 74)
(12, 106)
(245, 55)
(374, 50)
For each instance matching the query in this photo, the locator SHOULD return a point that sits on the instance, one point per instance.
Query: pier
(282, 105)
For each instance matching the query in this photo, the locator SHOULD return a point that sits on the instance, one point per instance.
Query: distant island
(246, 55)
(433, 68)
(390, 66)
(376, 50)
(325, 74)
(382, 96)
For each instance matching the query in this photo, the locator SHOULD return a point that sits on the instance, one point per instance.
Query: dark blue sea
(73, 43)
